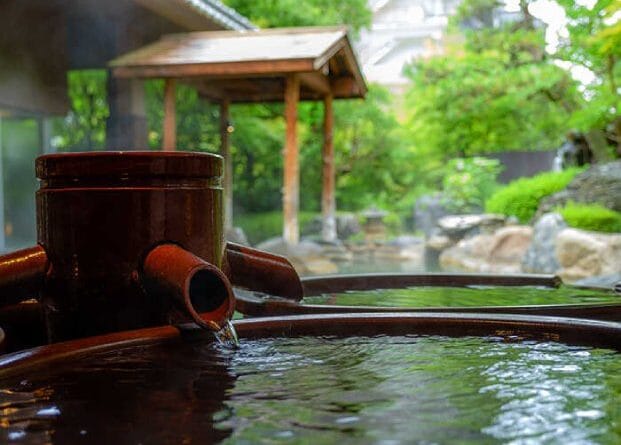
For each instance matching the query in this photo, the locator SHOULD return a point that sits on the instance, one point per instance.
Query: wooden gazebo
(287, 64)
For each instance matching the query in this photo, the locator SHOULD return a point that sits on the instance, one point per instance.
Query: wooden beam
(328, 199)
(215, 69)
(225, 151)
(169, 138)
(354, 68)
(316, 82)
(291, 189)
(207, 90)
(331, 52)
(346, 87)
(235, 98)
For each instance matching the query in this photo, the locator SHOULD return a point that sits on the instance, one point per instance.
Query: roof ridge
(225, 15)
(263, 31)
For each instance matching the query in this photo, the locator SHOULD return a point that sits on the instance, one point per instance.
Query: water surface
(433, 296)
(359, 390)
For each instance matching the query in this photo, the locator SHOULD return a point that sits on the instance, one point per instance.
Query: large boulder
(500, 252)
(599, 184)
(509, 244)
(469, 255)
(583, 254)
(540, 256)
(460, 226)
(452, 228)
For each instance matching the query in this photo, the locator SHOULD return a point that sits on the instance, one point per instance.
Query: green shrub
(394, 224)
(521, 197)
(468, 182)
(591, 217)
(261, 226)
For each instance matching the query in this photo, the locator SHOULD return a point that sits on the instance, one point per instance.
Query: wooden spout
(261, 271)
(200, 291)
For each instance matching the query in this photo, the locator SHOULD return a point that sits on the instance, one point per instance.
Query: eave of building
(199, 15)
(226, 16)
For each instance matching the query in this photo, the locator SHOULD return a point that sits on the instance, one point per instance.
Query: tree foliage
(197, 119)
(84, 127)
(468, 183)
(494, 90)
(372, 162)
(275, 13)
(368, 154)
(593, 42)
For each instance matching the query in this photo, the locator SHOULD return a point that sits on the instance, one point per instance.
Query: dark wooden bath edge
(509, 327)
(253, 304)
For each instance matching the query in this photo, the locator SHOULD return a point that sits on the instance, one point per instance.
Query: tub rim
(572, 331)
(251, 303)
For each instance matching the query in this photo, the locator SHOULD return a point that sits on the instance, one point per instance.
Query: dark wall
(98, 31)
(33, 59)
(523, 163)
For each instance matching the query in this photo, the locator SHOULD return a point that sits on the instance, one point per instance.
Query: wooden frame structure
(272, 65)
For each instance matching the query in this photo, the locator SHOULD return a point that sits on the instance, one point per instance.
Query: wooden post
(328, 201)
(169, 138)
(225, 151)
(291, 190)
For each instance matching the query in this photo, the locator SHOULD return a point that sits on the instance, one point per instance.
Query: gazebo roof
(251, 66)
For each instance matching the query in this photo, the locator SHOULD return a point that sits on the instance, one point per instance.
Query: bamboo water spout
(261, 271)
(201, 292)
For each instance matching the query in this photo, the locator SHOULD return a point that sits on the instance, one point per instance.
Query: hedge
(591, 217)
(521, 198)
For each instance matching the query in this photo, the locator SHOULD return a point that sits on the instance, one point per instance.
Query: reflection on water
(323, 390)
(431, 296)
(156, 394)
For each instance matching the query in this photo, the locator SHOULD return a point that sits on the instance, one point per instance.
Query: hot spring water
(435, 296)
(353, 390)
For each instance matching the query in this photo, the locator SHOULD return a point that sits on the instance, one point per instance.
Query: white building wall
(402, 30)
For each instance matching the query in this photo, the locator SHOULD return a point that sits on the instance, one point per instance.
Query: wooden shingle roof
(250, 66)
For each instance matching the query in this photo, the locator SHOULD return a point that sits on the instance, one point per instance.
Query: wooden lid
(118, 165)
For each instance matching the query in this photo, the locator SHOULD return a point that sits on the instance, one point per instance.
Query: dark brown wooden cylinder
(98, 216)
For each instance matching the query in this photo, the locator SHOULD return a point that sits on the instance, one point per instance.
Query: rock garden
(566, 223)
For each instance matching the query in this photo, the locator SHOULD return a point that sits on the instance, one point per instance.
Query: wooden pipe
(201, 293)
(261, 271)
(22, 274)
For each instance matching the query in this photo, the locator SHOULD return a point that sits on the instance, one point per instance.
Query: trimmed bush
(521, 197)
(591, 217)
